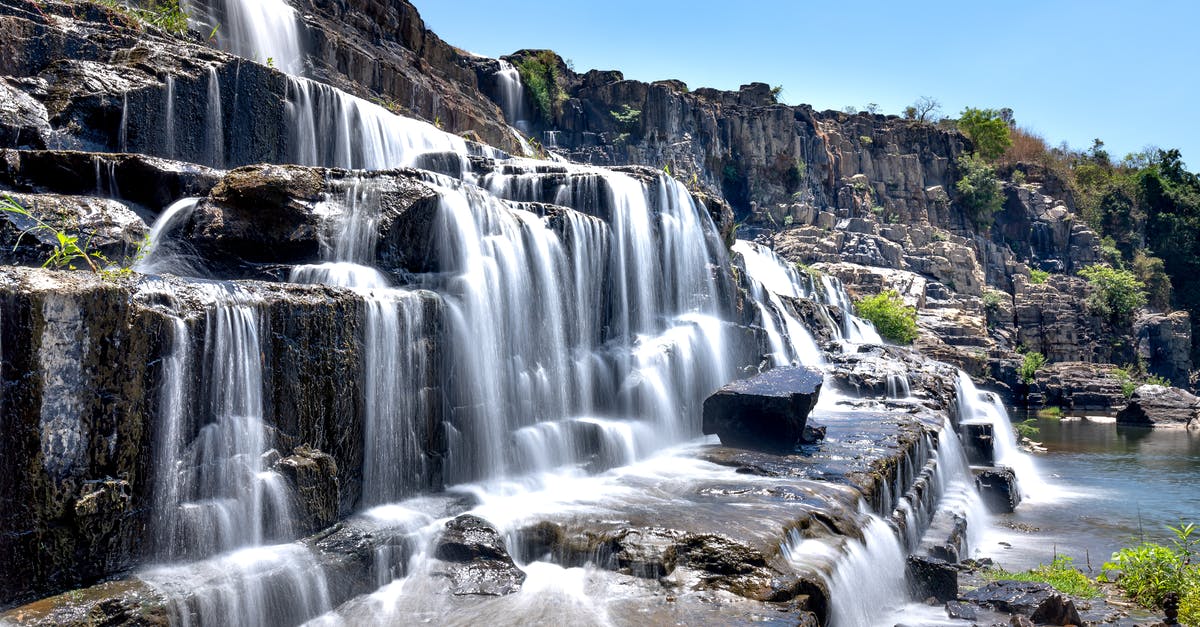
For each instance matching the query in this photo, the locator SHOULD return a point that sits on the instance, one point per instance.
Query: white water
(512, 97)
(266, 31)
(985, 407)
(772, 278)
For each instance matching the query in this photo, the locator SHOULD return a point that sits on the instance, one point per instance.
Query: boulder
(1159, 406)
(931, 577)
(1038, 602)
(998, 488)
(767, 412)
(476, 560)
(979, 442)
(23, 120)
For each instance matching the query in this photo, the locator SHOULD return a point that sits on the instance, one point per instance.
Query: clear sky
(1072, 70)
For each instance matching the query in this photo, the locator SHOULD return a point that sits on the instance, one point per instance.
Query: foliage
(1129, 384)
(1038, 277)
(894, 320)
(1149, 571)
(1059, 573)
(540, 74)
(979, 192)
(165, 14)
(925, 109)
(628, 118)
(988, 131)
(1117, 293)
(1050, 413)
(67, 251)
(776, 91)
(993, 298)
(1152, 271)
(1032, 362)
(865, 140)
(1028, 429)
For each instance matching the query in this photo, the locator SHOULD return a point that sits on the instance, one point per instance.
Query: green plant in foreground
(1032, 362)
(1059, 573)
(67, 250)
(894, 320)
(1149, 571)
(165, 14)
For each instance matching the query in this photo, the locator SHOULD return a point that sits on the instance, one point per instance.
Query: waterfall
(266, 31)
(898, 387)
(772, 279)
(980, 407)
(169, 119)
(213, 491)
(216, 125)
(958, 493)
(161, 254)
(511, 96)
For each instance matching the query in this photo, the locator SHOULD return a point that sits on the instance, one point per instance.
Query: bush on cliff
(979, 193)
(1032, 362)
(1116, 294)
(539, 73)
(988, 130)
(895, 321)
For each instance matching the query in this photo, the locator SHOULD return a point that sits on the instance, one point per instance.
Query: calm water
(1112, 486)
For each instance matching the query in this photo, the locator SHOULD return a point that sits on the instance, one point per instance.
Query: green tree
(979, 193)
(1116, 294)
(988, 131)
(540, 75)
(894, 320)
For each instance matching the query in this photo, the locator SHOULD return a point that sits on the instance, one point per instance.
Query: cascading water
(511, 93)
(266, 31)
(980, 407)
(214, 493)
(772, 278)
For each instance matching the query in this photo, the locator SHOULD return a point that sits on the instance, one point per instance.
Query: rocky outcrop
(1164, 343)
(1159, 406)
(1038, 602)
(105, 228)
(999, 490)
(767, 412)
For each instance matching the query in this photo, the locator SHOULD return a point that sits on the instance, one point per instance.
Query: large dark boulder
(1159, 406)
(1040, 602)
(999, 490)
(931, 577)
(767, 412)
(476, 560)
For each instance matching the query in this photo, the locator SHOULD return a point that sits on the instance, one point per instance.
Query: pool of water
(1110, 486)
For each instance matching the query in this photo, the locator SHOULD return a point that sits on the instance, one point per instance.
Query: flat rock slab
(767, 412)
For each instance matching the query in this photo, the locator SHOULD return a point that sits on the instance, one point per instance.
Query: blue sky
(1070, 70)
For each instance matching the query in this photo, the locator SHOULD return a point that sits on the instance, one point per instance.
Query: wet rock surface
(999, 489)
(477, 562)
(930, 577)
(1037, 602)
(767, 412)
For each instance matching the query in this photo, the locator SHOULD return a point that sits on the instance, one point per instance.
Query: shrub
(992, 299)
(1050, 413)
(979, 192)
(1032, 362)
(165, 14)
(1038, 277)
(894, 320)
(1116, 294)
(539, 73)
(1059, 573)
(627, 118)
(1149, 571)
(1028, 429)
(1026, 146)
(1152, 272)
(987, 130)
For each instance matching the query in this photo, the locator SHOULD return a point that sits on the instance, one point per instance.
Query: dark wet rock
(148, 181)
(24, 122)
(946, 538)
(1159, 406)
(931, 577)
(999, 489)
(1038, 602)
(648, 553)
(767, 412)
(312, 477)
(979, 441)
(960, 611)
(100, 225)
(477, 562)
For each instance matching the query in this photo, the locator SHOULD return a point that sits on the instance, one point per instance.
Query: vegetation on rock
(988, 130)
(894, 320)
(165, 14)
(1059, 573)
(1151, 571)
(539, 73)
(1117, 294)
(1032, 362)
(979, 192)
